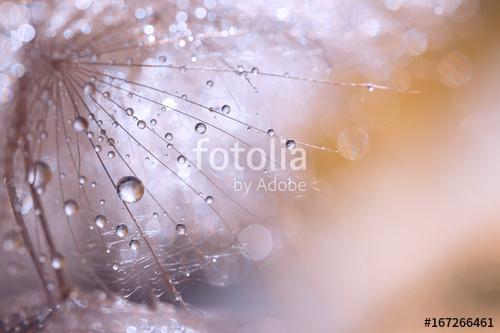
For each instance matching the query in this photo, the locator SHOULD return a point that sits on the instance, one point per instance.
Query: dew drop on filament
(39, 175)
(100, 221)
(141, 124)
(200, 128)
(57, 261)
(290, 144)
(121, 230)
(70, 207)
(180, 229)
(80, 124)
(134, 244)
(89, 88)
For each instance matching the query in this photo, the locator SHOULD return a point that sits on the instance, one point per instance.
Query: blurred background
(411, 230)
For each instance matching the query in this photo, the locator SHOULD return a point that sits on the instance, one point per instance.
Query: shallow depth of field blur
(412, 230)
(403, 226)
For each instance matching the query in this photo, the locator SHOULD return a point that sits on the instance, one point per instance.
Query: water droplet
(181, 159)
(180, 229)
(70, 207)
(100, 221)
(97, 148)
(352, 143)
(130, 189)
(134, 244)
(290, 144)
(169, 136)
(255, 70)
(210, 83)
(39, 175)
(89, 88)
(82, 180)
(80, 124)
(200, 128)
(270, 132)
(111, 154)
(129, 111)
(12, 241)
(121, 230)
(226, 109)
(153, 122)
(106, 94)
(57, 261)
(115, 267)
(141, 124)
(209, 199)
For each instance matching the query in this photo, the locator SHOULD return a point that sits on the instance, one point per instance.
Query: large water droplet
(70, 207)
(121, 230)
(130, 189)
(39, 175)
